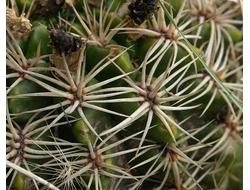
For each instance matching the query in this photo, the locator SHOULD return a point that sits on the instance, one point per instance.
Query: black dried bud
(64, 41)
(50, 8)
(140, 10)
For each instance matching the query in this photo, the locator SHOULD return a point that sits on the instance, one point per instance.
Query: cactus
(109, 94)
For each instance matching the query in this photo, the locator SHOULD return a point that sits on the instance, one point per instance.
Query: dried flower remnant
(133, 36)
(63, 41)
(141, 10)
(72, 61)
(50, 8)
(17, 24)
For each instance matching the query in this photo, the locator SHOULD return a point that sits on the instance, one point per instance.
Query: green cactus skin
(96, 54)
(129, 107)
(23, 182)
(20, 4)
(21, 42)
(38, 34)
(226, 165)
(145, 44)
(235, 34)
(77, 130)
(217, 103)
(121, 39)
(19, 105)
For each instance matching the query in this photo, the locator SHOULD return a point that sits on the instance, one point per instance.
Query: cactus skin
(209, 150)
